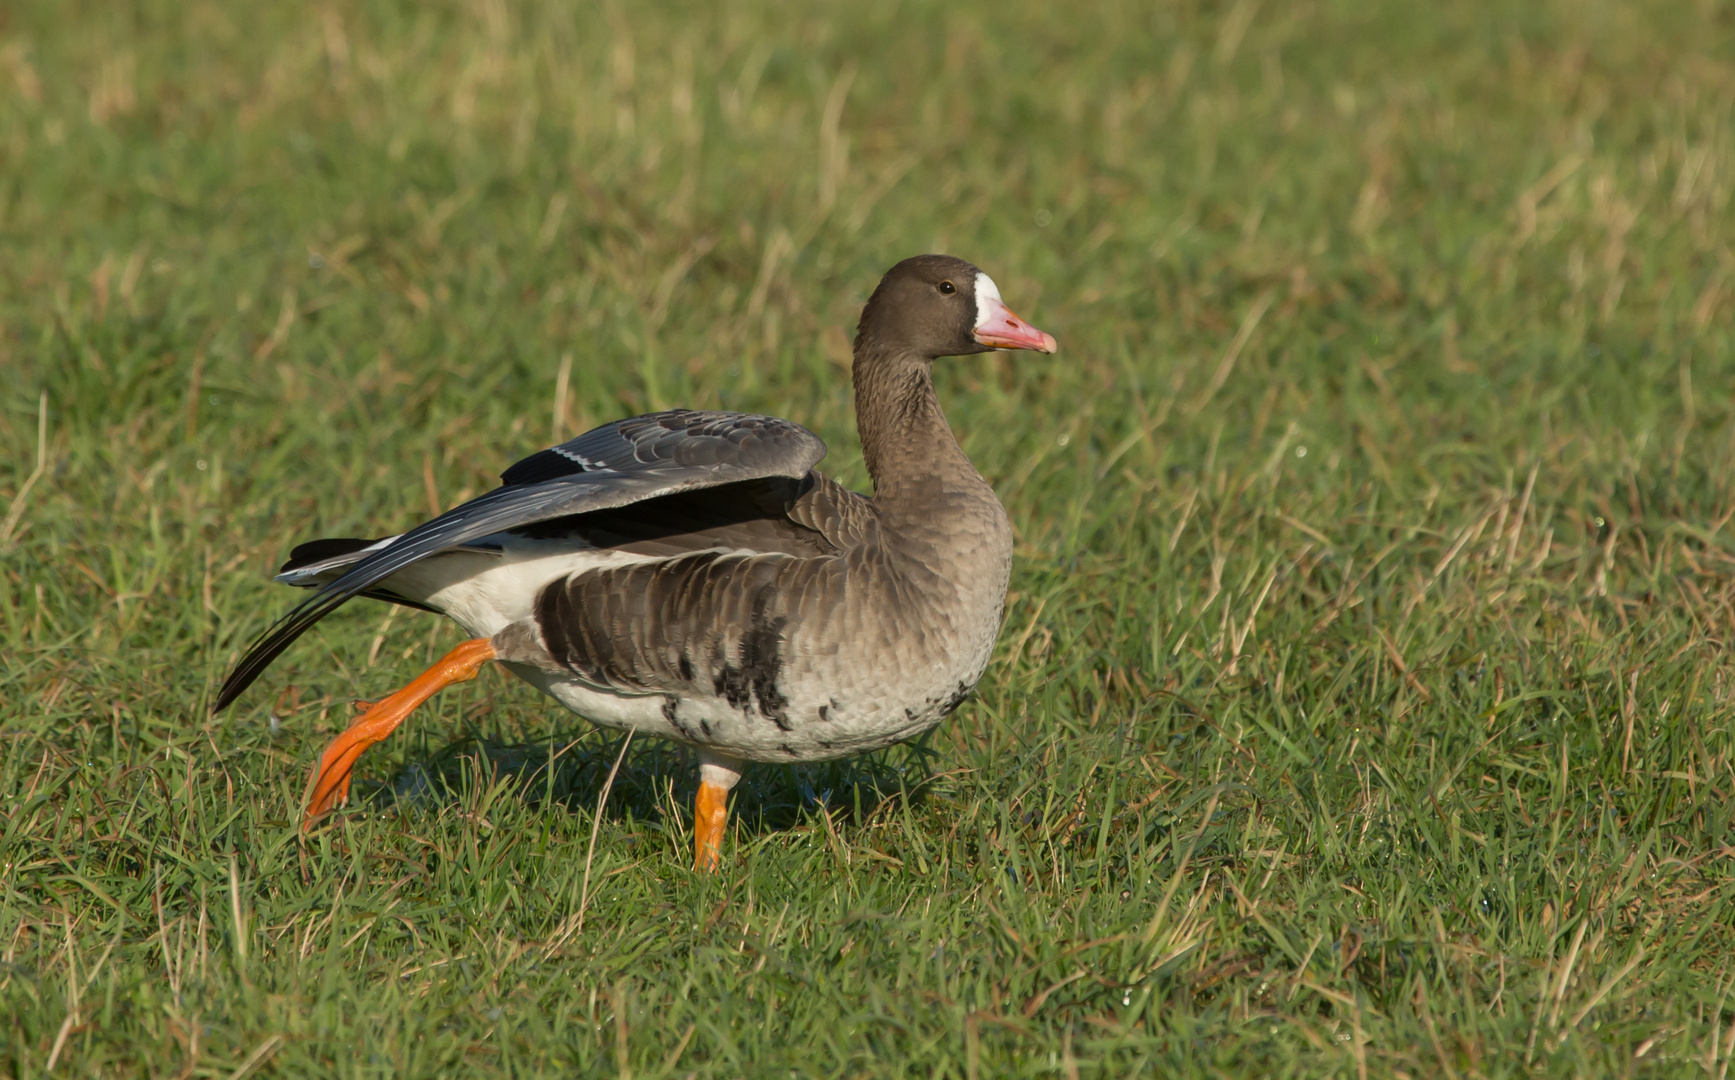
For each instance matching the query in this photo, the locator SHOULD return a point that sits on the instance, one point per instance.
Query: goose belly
(814, 702)
(821, 725)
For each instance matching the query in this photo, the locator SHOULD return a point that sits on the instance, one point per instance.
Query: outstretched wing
(621, 463)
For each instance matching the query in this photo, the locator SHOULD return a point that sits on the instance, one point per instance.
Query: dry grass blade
(1607, 985)
(1226, 363)
(575, 924)
(15, 513)
(257, 1057)
(60, 1038)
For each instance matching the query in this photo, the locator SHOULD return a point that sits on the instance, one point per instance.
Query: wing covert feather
(679, 438)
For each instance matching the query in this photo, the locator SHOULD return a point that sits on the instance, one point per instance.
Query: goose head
(937, 305)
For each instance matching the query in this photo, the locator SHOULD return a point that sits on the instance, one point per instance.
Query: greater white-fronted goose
(690, 575)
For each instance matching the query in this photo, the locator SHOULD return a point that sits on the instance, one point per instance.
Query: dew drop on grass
(1301, 451)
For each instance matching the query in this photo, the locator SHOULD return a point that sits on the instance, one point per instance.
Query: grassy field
(1361, 709)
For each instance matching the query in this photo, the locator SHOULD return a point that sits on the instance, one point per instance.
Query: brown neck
(910, 450)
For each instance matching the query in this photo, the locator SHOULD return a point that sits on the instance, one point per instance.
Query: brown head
(936, 305)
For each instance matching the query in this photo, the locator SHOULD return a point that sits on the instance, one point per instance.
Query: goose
(690, 574)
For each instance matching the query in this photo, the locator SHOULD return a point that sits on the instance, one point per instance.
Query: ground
(1361, 708)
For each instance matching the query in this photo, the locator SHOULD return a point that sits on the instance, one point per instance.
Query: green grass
(1362, 707)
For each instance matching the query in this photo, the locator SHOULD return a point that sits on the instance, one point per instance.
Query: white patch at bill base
(986, 290)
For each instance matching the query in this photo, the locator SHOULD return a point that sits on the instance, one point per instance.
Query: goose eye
(948, 288)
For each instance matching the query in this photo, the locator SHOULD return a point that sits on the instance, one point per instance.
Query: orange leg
(710, 815)
(717, 774)
(329, 785)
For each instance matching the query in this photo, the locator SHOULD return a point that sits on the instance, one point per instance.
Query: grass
(1362, 707)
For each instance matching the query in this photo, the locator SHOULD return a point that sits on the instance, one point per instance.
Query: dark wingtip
(252, 665)
(232, 687)
(270, 645)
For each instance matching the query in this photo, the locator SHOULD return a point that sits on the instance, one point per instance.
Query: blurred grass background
(1362, 708)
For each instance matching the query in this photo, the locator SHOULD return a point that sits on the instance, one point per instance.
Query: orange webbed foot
(328, 787)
